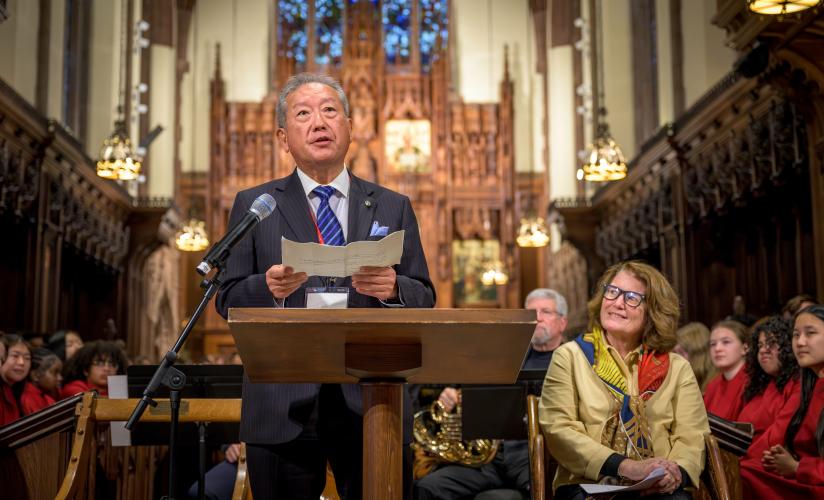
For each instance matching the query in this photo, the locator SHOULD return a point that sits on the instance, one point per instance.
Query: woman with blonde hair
(617, 404)
(694, 345)
(729, 343)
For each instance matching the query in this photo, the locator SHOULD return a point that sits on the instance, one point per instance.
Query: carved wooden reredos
(463, 192)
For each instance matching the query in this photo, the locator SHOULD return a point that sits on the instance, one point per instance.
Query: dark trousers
(575, 492)
(509, 469)
(296, 470)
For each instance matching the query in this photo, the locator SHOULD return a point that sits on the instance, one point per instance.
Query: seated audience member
(35, 340)
(65, 343)
(510, 466)
(13, 373)
(45, 377)
(796, 304)
(694, 345)
(793, 465)
(616, 403)
(728, 348)
(772, 372)
(90, 368)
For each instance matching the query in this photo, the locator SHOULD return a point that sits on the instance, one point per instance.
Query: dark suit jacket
(276, 413)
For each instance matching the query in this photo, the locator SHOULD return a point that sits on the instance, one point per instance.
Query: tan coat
(575, 405)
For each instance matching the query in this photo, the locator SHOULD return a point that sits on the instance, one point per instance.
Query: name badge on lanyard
(327, 297)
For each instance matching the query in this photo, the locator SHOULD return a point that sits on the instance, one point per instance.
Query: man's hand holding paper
(341, 261)
(378, 282)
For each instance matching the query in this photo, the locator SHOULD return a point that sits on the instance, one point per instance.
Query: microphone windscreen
(263, 206)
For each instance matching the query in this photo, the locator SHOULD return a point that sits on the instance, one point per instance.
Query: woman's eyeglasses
(105, 362)
(632, 299)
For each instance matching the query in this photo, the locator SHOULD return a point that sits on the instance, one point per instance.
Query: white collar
(341, 182)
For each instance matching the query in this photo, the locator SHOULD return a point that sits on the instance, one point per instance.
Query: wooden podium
(381, 349)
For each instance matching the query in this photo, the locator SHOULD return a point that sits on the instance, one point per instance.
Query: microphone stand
(172, 378)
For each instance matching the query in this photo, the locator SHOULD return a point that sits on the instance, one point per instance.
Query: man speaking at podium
(291, 430)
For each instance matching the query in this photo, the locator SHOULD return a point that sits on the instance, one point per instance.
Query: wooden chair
(78, 482)
(542, 465)
(720, 477)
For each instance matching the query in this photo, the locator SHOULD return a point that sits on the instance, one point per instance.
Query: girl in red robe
(91, 367)
(44, 381)
(795, 468)
(772, 372)
(728, 348)
(13, 373)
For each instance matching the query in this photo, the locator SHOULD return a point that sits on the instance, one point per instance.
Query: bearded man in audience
(510, 466)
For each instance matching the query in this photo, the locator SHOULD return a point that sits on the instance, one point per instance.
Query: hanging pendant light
(532, 233)
(494, 274)
(606, 160)
(780, 7)
(193, 237)
(117, 159)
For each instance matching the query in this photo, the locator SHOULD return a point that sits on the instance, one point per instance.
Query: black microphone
(217, 255)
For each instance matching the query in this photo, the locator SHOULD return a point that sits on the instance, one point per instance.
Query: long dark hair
(778, 330)
(808, 381)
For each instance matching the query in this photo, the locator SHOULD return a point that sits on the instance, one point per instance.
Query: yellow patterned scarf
(627, 430)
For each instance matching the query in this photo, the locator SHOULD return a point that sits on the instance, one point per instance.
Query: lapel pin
(368, 203)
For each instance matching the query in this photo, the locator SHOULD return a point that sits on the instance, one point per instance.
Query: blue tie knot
(324, 192)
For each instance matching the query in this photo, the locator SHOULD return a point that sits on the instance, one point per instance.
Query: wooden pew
(34, 452)
(137, 465)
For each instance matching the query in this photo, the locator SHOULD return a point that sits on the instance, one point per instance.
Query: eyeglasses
(632, 299)
(105, 362)
(768, 346)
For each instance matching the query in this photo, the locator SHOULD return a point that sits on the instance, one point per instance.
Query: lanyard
(315, 222)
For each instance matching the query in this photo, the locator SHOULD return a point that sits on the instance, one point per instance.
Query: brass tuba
(438, 433)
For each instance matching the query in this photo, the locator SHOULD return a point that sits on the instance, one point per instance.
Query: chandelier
(117, 160)
(193, 237)
(532, 233)
(780, 7)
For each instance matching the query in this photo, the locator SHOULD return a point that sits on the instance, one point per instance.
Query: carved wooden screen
(394, 68)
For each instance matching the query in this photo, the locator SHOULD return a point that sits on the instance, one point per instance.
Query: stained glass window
(327, 24)
(329, 27)
(434, 16)
(396, 19)
(292, 29)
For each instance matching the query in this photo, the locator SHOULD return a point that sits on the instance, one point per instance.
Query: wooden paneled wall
(77, 242)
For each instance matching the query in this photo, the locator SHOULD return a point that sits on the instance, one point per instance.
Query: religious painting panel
(408, 146)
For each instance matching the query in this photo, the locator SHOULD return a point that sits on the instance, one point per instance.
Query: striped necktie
(330, 229)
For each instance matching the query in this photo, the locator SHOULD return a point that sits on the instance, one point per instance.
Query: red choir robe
(808, 482)
(762, 411)
(725, 398)
(34, 399)
(9, 409)
(75, 387)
